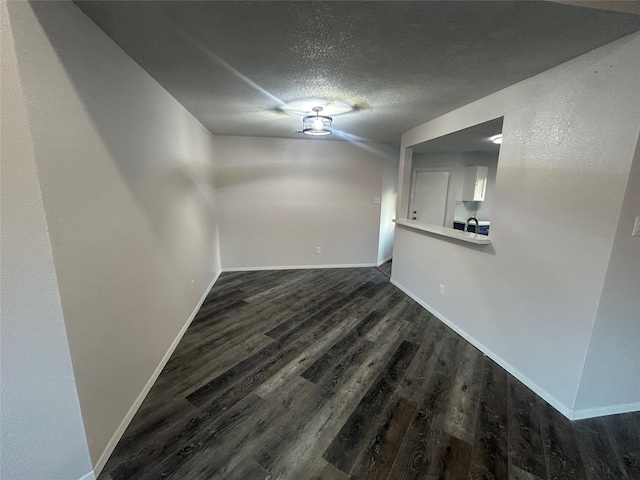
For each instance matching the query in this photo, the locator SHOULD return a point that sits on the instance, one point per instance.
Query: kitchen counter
(444, 232)
(483, 226)
(483, 223)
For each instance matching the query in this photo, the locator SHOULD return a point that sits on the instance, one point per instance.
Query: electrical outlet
(441, 290)
(376, 200)
(636, 228)
(318, 250)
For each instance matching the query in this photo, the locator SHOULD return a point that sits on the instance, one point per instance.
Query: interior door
(429, 199)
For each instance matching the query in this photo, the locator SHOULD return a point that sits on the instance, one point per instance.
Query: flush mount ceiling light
(497, 139)
(317, 124)
(302, 107)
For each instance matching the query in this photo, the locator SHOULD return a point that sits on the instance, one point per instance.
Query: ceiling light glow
(329, 107)
(317, 124)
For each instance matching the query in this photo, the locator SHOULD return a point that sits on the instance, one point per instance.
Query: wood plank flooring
(336, 374)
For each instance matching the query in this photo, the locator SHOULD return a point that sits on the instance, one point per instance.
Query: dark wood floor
(386, 268)
(336, 374)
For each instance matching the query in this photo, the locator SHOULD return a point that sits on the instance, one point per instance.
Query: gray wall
(611, 374)
(280, 198)
(42, 434)
(127, 189)
(531, 298)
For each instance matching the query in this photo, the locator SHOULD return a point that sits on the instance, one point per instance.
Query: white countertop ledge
(445, 232)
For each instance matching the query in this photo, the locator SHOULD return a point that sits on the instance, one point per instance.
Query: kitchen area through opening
(453, 178)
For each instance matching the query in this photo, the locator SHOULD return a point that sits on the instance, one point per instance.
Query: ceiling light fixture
(316, 124)
(497, 139)
(302, 107)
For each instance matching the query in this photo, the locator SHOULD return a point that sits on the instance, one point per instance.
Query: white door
(430, 191)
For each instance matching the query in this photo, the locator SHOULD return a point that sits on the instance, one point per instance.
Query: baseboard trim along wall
(143, 394)
(563, 409)
(298, 267)
(382, 262)
(90, 476)
(602, 411)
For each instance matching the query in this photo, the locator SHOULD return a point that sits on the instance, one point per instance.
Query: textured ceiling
(232, 64)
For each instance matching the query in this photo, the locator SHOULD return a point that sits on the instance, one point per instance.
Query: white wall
(42, 434)
(530, 299)
(281, 198)
(125, 173)
(611, 375)
(388, 208)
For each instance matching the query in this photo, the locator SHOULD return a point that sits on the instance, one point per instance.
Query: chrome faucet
(466, 227)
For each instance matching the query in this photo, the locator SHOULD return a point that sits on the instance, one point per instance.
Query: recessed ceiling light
(496, 139)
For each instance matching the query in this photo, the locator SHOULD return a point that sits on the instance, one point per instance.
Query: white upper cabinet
(475, 184)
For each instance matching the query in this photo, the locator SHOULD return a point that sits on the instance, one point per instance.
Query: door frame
(450, 203)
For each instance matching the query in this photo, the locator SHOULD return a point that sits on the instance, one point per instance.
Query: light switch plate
(376, 200)
(636, 228)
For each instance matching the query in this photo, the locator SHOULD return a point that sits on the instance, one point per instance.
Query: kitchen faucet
(466, 227)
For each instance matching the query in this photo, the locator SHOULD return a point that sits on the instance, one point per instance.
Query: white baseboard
(298, 267)
(602, 411)
(385, 260)
(89, 476)
(562, 408)
(136, 405)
